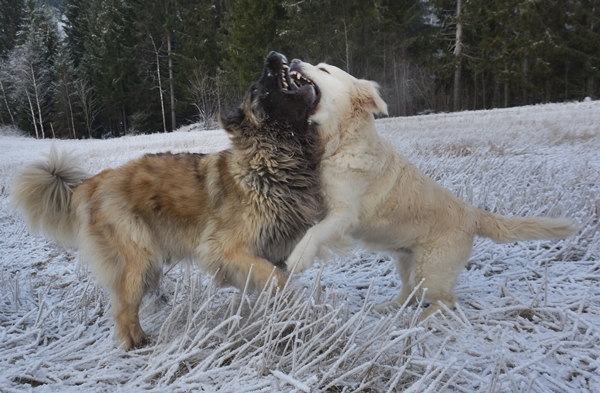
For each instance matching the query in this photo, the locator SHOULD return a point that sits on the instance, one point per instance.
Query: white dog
(377, 196)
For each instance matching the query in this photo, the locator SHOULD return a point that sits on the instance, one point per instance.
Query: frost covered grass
(528, 314)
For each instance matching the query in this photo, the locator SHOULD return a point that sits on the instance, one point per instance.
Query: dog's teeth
(285, 67)
(285, 84)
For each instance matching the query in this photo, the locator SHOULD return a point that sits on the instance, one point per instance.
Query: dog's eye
(323, 69)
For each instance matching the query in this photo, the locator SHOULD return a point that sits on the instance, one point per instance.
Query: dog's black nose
(275, 58)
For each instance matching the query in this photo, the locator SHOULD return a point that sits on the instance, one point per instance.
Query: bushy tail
(503, 229)
(42, 192)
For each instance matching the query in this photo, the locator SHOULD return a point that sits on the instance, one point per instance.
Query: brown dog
(236, 212)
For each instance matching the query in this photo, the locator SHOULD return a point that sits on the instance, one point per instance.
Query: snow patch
(528, 313)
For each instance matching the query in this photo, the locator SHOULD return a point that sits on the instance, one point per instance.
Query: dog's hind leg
(126, 262)
(439, 266)
(404, 264)
(139, 274)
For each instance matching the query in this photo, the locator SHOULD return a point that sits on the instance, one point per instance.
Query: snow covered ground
(528, 315)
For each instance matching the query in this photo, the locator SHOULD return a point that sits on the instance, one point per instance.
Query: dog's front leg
(305, 252)
(339, 221)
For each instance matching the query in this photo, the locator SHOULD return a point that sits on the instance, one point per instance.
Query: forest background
(105, 68)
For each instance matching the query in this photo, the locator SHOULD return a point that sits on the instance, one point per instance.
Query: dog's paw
(135, 340)
(386, 307)
(297, 264)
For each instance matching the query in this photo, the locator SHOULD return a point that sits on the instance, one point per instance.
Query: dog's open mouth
(296, 83)
(290, 80)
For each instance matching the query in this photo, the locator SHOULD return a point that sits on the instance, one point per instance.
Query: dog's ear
(368, 92)
(230, 120)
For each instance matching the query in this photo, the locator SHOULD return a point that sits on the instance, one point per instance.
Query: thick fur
(377, 196)
(236, 212)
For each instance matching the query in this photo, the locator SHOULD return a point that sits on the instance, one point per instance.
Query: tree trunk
(171, 84)
(483, 89)
(71, 126)
(125, 125)
(590, 83)
(496, 94)
(37, 135)
(37, 101)
(86, 99)
(474, 91)
(85, 108)
(347, 46)
(384, 79)
(12, 119)
(397, 86)
(72, 119)
(405, 99)
(525, 100)
(458, 54)
(160, 90)
(566, 81)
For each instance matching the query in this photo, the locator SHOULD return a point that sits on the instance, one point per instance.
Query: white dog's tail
(503, 229)
(42, 192)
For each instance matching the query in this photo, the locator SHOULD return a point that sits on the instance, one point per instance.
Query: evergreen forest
(106, 68)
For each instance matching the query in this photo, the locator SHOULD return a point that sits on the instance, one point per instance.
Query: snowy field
(528, 314)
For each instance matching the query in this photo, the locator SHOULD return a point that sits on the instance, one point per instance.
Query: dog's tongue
(309, 93)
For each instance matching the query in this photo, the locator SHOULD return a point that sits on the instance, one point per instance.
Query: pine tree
(253, 32)
(31, 65)
(154, 24)
(132, 65)
(10, 18)
(110, 62)
(584, 45)
(6, 112)
(76, 28)
(200, 51)
(64, 123)
(404, 42)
